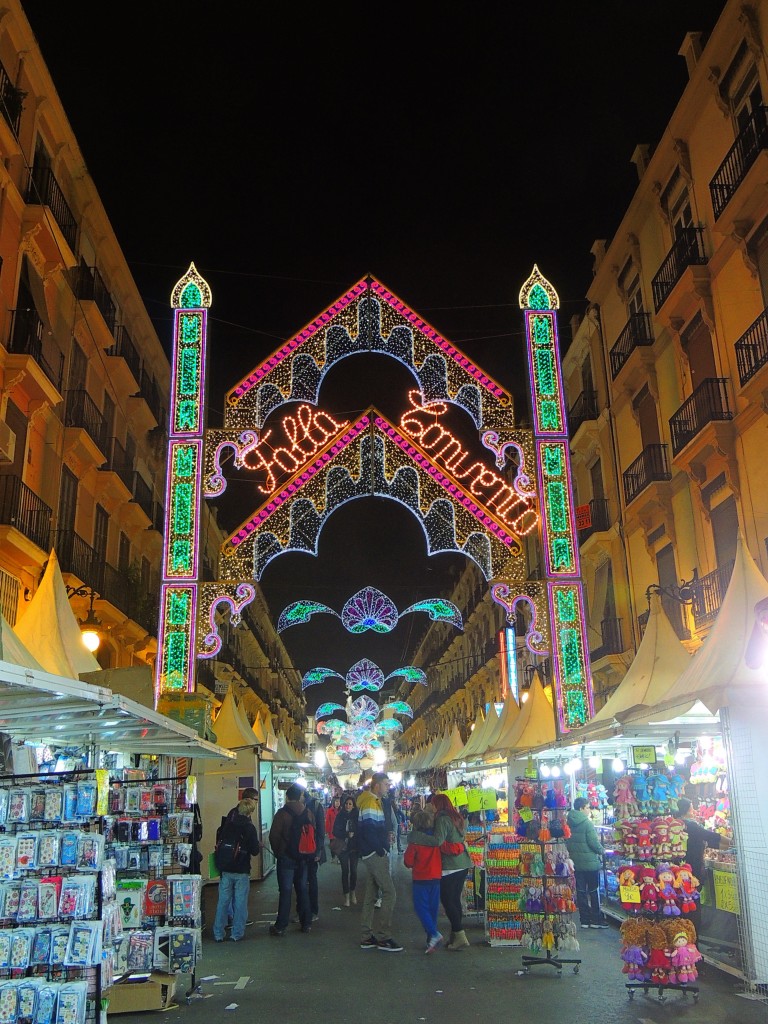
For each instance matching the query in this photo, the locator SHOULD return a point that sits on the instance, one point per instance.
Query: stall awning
(38, 707)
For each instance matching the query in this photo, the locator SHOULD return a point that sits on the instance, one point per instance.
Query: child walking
(426, 865)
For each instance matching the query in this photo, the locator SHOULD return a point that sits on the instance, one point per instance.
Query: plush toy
(687, 886)
(661, 845)
(568, 938)
(683, 954)
(677, 837)
(665, 875)
(657, 966)
(642, 796)
(644, 841)
(602, 796)
(649, 891)
(592, 799)
(629, 838)
(537, 865)
(624, 798)
(549, 796)
(633, 935)
(662, 791)
(581, 790)
(677, 782)
(548, 936)
(561, 800)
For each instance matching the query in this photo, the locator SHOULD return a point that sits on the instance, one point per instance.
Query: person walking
(373, 847)
(330, 817)
(313, 863)
(344, 840)
(585, 851)
(237, 842)
(426, 864)
(291, 865)
(448, 834)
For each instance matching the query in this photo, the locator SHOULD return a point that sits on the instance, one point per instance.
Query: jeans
(292, 874)
(348, 861)
(314, 905)
(378, 878)
(451, 888)
(426, 903)
(233, 897)
(588, 896)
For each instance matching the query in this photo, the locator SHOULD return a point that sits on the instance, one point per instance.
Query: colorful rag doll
(644, 840)
(633, 935)
(662, 791)
(683, 953)
(677, 837)
(624, 798)
(661, 844)
(687, 886)
(642, 796)
(649, 891)
(592, 799)
(602, 795)
(665, 875)
(657, 966)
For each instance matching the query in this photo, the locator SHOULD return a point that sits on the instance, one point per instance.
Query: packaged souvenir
(5, 949)
(47, 849)
(3, 805)
(132, 798)
(70, 900)
(28, 1000)
(156, 898)
(109, 829)
(21, 948)
(9, 997)
(69, 809)
(123, 830)
(161, 954)
(83, 948)
(18, 805)
(184, 854)
(86, 799)
(68, 849)
(12, 897)
(116, 799)
(160, 799)
(120, 854)
(108, 880)
(102, 792)
(140, 950)
(185, 823)
(8, 857)
(90, 851)
(146, 803)
(134, 858)
(154, 829)
(41, 948)
(53, 803)
(28, 901)
(59, 942)
(130, 900)
(47, 900)
(46, 1004)
(37, 805)
(182, 950)
(184, 902)
(70, 1006)
(26, 851)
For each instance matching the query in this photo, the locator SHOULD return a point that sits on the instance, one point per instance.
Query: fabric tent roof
(453, 749)
(229, 728)
(478, 740)
(13, 650)
(718, 673)
(507, 720)
(535, 725)
(471, 743)
(440, 750)
(50, 627)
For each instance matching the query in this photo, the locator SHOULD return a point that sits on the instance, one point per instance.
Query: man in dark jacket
(586, 853)
(291, 869)
(313, 863)
(239, 833)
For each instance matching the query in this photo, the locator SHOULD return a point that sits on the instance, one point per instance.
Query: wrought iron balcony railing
(89, 286)
(142, 495)
(708, 403)
(612, 643)
(120, 464)
(708, 594)
(637, 333)
(124, 347)
(79, 558)
(583, 409)
(598, 510)
(652, 464)
(150, 392)
(44, 190)
(688, 251)
(21, 508)
(752, 349)
(733, 170)
(11, 100)
(82, 411)
(28, 334)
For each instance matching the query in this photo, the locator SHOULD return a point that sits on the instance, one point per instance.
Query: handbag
(337, 845)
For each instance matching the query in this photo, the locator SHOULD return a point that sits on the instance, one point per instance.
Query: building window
(9, 596)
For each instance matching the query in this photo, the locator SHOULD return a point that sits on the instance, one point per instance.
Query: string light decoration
(363, 732)
(572, 675)
(368, 318)
(364, 675)
(373, 458)
(235, 598)
(190, 299)
(370, 609)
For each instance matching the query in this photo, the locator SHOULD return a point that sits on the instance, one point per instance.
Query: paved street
(325, 976)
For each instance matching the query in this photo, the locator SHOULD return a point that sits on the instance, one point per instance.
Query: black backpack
(229, 838)
(302, 844)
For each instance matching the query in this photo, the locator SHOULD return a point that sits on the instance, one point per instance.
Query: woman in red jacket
(330, 817)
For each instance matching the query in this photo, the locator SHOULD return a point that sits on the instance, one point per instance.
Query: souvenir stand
(88, 852)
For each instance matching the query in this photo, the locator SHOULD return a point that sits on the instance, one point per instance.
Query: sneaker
(354, 898)
(585, 926)
(434, 943)
(277, 932)
(306, 928)
(390, 946)
(369, 943)
(315, 917)
(597, 926)
(377, 904)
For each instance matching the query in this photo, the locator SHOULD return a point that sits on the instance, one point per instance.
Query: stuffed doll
(633, 934)
(662, 792)
(687, 886)
(602, 796)
(677, 837)
(547, 936)
(561, 800)
(644, 840)
(683, 954)
(592, 796)
(642, 796)
(657, 966)
(661, 844)
(624, 798)
(629, 838)
(649, 891)
(665, 876)
(581, 790)
(549, 795)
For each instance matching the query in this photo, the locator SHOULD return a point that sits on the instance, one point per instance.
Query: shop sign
(629, 893)
(583, 517)
(643, 755)
(726, 891)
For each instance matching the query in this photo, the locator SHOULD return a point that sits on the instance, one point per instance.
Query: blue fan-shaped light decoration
(328, 709)
(389, 725)
(401, 708)
(369, 609)
(301, 611)
(410, 673)
(439, 610)
(318, 675)
(365, 708)
(365, 675)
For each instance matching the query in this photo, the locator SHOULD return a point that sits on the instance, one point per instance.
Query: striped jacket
(372, 826)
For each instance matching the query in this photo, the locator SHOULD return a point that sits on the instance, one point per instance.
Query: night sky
(289, 150)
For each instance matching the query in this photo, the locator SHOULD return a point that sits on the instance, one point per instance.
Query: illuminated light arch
(370, 609)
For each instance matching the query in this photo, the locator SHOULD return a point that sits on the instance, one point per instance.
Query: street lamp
(90, 625)
(683, 594)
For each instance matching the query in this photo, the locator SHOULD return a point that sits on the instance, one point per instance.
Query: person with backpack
(313, 863)
(293, 841)
(236, 842)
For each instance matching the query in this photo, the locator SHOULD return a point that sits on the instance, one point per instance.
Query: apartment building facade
(667, 375)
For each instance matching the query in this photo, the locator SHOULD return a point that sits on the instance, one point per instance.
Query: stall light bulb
(617, 764)
(594, 761)
(91, 640)
(576, 765)
(545, 771)
(411, 781)
(681, 755)
(319, 758)
(555, 772)
(524, 697)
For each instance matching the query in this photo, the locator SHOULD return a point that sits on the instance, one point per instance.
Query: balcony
(740, 159)
(599, 520)
(583, 409)
(121, 465)
(11, 100)
(708, 594)
(651, 465)
(24, 511)
(125, 350)
(128, 597)
(142, 495)
(88, 285)
(612, 643)
(637, 333)
(44, 190)
(83, 413)
(80, 559)
(30, 337)
(688, 251)
(707, 404)
(752, 349)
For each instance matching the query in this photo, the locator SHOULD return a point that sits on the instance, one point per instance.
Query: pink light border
(177, 313)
